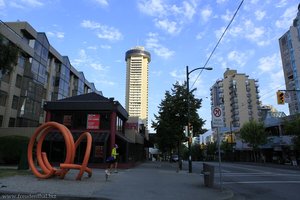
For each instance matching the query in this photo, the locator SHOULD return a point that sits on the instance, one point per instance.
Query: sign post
(217, 115)
(217, 121)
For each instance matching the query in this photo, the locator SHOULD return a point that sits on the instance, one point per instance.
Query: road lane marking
(261, 174)
(258, 182)
(249, 168)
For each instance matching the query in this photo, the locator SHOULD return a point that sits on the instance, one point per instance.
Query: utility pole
(188, 111)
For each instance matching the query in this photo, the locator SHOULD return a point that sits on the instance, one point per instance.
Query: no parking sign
(217, 117)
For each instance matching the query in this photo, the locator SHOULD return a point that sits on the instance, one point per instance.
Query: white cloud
(277, 78)
(219, 32)
(251, 32)
(97, 66)
(84, 61)
(221, 1)
(152, 7)
(235, 30)
(259, 14)
(56, 34)
(109, 33)
(32, 3)
(189, 10)
(16, 5)
(102, 2)
(246, 29)
(152, 43)
(103, 46)
(169, 26)
(90, 24)
(239, 57)
(92, 47)
(23, 4)
(282, 3)
(287, 18)
(157, 73)
(228, 16)
(205, 14)
(103, 31)
(199, 36)
(170, 18)
(269, 63)
(254, 1)
(255, 33)
(178, 75)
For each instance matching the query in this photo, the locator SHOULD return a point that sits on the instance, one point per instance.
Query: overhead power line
(219, 41)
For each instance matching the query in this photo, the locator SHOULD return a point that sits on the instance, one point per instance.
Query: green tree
(211, 149)
(172, 118)
(254, 134)
(227, 149)
(292, 127)
(8, 55)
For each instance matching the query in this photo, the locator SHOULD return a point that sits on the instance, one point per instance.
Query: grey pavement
(149, 180)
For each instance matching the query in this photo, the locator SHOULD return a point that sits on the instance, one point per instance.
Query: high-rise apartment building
(290, 56)
(41, 74)
(238, 96)
(136, 100)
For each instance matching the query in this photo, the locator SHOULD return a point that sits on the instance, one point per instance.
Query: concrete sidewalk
(148, 181)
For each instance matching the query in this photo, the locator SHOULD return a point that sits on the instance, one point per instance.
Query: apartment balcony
(236, 118)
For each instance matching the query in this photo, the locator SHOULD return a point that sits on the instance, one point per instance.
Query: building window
(19, 81)
(15, 102)
(11, 122)
(3, 97)
(6, 77)
(21, 62)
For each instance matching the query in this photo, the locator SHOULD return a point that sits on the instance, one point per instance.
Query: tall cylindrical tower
(136, 100)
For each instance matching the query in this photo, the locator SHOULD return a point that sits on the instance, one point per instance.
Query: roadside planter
(209, 175)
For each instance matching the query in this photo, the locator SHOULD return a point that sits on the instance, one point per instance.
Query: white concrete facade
(239, 98)
(136, 100)
(290, 56)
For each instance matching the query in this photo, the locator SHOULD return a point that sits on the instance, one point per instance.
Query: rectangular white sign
(217, 117)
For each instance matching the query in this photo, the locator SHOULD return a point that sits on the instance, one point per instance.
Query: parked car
(174, 158)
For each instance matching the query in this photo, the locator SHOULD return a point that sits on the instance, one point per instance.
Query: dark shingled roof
(86, 98)
(87, 102)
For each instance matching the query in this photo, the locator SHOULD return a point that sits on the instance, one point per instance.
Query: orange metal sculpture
(71, 147)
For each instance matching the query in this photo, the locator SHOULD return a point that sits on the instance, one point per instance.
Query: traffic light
(280, 97)
(191, 128)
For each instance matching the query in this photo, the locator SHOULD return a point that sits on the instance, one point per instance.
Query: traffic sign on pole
(217, 117)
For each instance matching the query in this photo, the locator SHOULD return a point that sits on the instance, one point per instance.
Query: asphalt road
(264, 182)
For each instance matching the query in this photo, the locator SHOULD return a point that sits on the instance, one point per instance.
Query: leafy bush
(12, 147)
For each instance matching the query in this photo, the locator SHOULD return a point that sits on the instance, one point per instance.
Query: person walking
(112, 160)
(115, 154)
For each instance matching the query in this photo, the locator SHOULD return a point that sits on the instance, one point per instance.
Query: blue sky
(95, 34)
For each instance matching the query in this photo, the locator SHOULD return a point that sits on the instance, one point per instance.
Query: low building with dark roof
(103, 117)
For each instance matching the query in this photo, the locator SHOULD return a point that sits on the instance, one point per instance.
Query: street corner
(227, 194)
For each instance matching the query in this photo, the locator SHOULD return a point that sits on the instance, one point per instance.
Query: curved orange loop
(45, 128)
(39, 155)
(29, 154)
(70, 152)
(87, 152)
(76, 166)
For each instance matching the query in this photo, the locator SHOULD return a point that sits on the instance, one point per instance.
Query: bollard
(209, 175)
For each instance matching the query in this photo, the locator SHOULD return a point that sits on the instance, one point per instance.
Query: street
(257, 182)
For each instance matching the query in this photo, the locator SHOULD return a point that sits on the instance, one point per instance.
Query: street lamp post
(188, 110)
